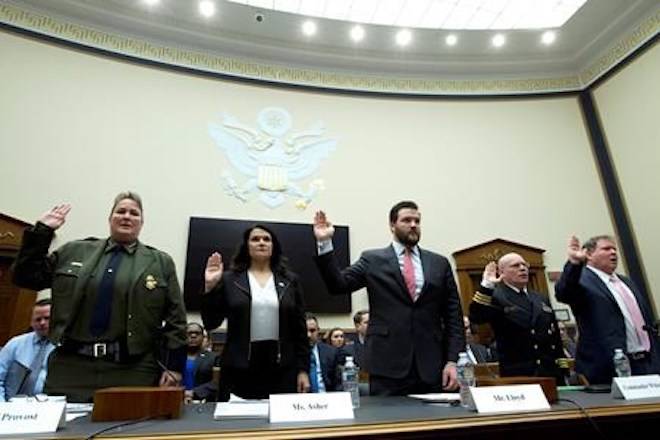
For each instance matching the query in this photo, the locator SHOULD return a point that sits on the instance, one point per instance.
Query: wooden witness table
(402, 418)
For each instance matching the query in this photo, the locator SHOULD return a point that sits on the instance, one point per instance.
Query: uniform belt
(640, 355)
(98, 350)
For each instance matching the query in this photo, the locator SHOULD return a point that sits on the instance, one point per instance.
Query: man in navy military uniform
(526, 332)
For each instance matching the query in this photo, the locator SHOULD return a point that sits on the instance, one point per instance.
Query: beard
(408, 239)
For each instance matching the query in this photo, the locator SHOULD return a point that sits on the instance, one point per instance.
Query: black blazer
(203, 372)
(528, 340)
(231, 299)
(601, 326)
(428, 331)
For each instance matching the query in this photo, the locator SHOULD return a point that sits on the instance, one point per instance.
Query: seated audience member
(118, 315)
(337, 339)
(609, 309)
(477, 353)
(361, 322)
(567, 341)
(267, 351)
(524, 324)
(323, 360)
(24, 360)
(198, 375)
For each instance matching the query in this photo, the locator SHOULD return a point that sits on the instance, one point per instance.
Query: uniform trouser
(77, 376)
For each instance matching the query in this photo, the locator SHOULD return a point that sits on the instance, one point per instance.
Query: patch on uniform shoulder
(76, 263)
(547, 309)
(150, 282)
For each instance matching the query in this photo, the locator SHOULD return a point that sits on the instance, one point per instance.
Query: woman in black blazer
(267, 350)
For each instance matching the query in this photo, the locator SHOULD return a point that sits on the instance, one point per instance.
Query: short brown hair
(131, 195)
(590, 245)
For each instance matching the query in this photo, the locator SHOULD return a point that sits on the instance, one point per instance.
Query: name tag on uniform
(311, 406)
(30, 417)
(636, 387)
(509, 399)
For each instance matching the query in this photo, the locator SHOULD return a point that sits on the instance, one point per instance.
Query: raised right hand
(490, 273)
(55, 217)
(213, 271)
(576, 255)
(323, 229)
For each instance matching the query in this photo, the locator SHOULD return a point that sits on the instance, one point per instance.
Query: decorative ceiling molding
(242, 68)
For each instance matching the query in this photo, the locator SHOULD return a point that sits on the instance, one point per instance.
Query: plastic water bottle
(465, 374)
(621, 363)
(349, 380)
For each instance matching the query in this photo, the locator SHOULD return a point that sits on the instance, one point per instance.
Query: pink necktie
(409, 273)
(634, 312)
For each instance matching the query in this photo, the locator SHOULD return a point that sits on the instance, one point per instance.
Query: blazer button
(538, 362)
(130, 316)
(130, 334)
(532, 331)
(536, 347)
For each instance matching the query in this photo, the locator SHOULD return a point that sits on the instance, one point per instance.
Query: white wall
(629, 107)
(80, 128)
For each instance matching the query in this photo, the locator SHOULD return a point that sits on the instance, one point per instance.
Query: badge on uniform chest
(150, 282)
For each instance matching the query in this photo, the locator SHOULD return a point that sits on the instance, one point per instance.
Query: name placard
(309, 407)
(509, 398)
(636, 387)
(30, 418)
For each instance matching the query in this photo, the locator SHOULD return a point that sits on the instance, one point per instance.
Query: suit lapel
(241, 281)
(281, 284)
(393, 263)
(597, 283)
(426, 268)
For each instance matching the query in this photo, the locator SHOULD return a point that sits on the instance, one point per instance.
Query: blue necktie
(313, 373)
(103, 307)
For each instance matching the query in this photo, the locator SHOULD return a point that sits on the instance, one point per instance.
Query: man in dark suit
(477, 353)
(324, 360)
(415, 320)
(361, 322)
(524, 324)
(198, 374)
(609, 309)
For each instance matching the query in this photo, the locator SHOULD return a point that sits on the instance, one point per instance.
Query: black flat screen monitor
(207, 235)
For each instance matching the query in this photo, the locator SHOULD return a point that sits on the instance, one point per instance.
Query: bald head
(514, 270)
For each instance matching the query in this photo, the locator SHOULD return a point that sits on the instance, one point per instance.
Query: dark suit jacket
(601, 326)
(329, 358)
(203, 372)
(428, 331)
(528, 340)
(231, 299)
(480, 353)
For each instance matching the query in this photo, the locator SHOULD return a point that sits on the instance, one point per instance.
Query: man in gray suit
(415, 320)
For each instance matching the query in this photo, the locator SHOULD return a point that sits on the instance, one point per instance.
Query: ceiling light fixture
(451, 40)
(309, 28)
(357, 33)
(207, 8)
(499, 40)
(403, 37)
(151, 2)
(548, 37)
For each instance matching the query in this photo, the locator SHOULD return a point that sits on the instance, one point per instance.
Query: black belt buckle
(100, 349)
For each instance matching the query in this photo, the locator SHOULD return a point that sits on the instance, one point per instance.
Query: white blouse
(264, 314)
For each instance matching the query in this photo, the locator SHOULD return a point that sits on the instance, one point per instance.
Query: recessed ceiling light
(151, 2)
(403, 37)
(309, 28)
(207, 8)
(499, 40)
(451, 40)
(357, 33)
(548, 37)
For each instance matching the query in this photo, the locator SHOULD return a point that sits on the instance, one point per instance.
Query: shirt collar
(604, 276)
(111, 245)
(515, 289)
(400, 249)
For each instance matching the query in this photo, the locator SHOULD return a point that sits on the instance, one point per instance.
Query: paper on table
(437, 397)
(241, 409)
